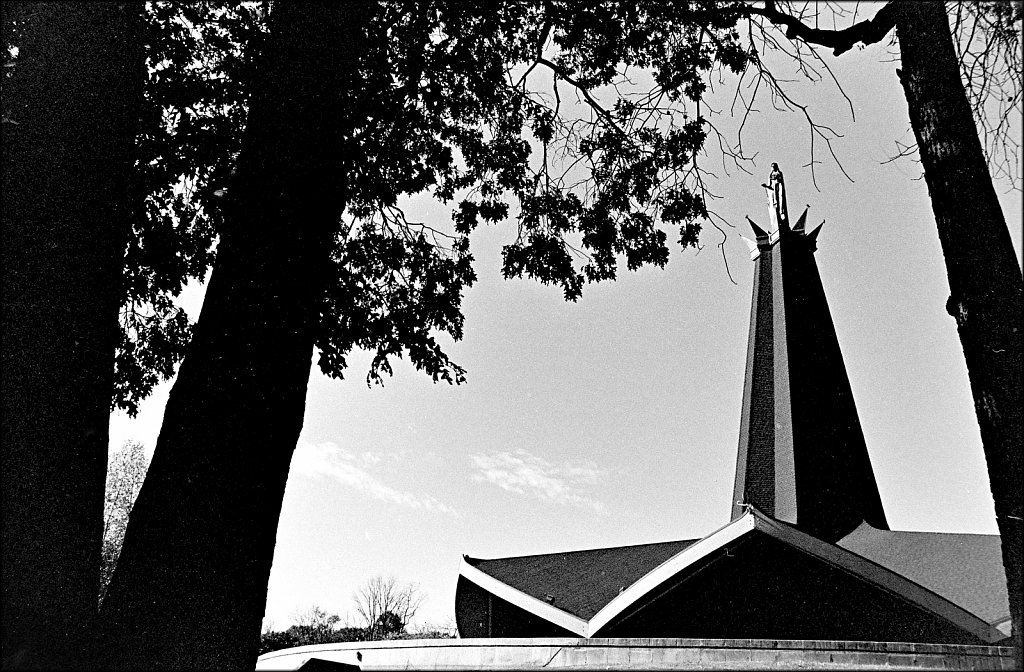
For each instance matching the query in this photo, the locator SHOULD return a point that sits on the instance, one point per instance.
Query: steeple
(802, 457)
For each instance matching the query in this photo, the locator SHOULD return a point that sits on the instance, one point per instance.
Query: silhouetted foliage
(315, 626)
(450, 120)
(388, 625)
(193, 118)
(273, 640)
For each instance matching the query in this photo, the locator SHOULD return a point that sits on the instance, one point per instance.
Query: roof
(580, 582)
(955, 577)
(966, 569)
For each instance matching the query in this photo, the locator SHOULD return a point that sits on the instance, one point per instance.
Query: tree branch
(840, 41)
(596, 106)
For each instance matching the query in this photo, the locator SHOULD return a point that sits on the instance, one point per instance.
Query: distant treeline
(300, 635)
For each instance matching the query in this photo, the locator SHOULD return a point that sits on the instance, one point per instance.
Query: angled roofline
(529, 603)
(751, 520)
(671, 567)
(882, 577)
(1002, 623)
(834, 555)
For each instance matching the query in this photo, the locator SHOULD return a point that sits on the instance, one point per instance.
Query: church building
(807, 554)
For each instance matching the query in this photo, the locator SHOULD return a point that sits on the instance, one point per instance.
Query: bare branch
(596, 106)
(840, 41)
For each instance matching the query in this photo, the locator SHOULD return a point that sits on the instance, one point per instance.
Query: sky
(615, 420)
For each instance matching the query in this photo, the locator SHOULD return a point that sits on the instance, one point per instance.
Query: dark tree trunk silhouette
(70, 110)
(986, 287)
(190, 587)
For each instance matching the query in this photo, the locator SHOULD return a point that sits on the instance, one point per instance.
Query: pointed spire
(813, 235)
(759, 233)
(802, 457)
(799, 228)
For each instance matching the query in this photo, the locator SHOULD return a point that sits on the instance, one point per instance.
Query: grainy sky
(615, 420)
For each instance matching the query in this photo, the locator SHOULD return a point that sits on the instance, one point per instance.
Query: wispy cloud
(522, 472)
(328, 460)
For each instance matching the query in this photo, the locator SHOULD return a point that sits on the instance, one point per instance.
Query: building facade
(807, 554)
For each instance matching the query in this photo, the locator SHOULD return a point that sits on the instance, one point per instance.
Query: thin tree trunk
(986, 288)
(190, 586)
(68, 136)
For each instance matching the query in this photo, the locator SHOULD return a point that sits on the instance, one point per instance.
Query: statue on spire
(777, 197)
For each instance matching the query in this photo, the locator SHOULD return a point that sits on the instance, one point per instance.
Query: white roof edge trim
(1005, 626)
(830, 553)
(880, 576)
(522, 600)
(666, 570)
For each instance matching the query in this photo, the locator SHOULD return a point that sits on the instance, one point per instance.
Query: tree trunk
(190, 586)
(986, 288)
(68, 138)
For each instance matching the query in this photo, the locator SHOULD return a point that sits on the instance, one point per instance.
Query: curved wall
(699, 654)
